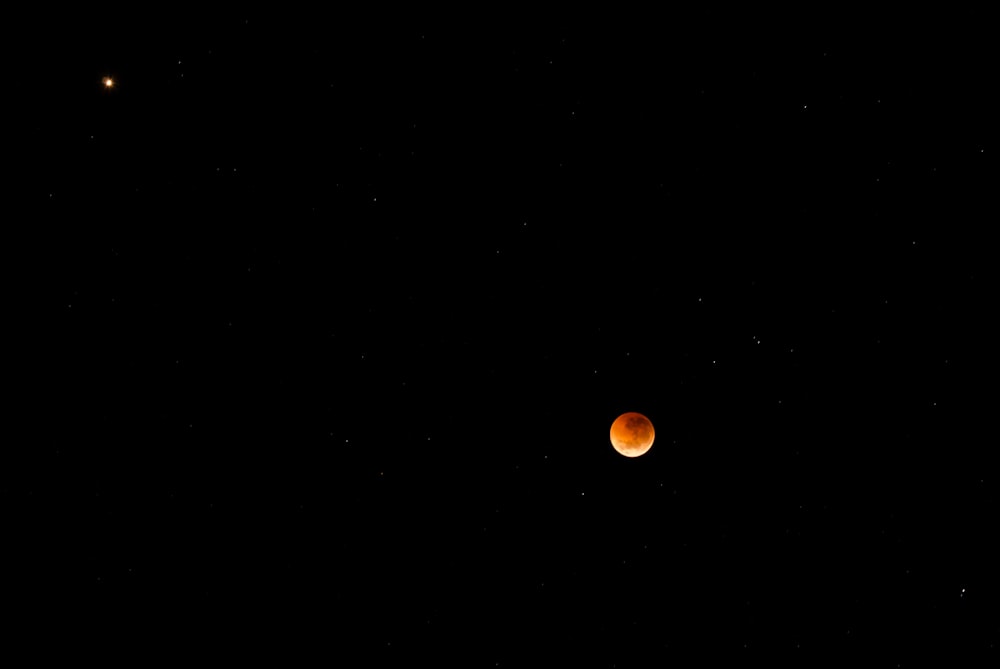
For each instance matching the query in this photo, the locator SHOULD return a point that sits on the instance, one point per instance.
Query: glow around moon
(632, 434)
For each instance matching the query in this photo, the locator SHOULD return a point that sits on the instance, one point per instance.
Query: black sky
(328, 320)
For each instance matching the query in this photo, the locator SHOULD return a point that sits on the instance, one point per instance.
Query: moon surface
(632, 434)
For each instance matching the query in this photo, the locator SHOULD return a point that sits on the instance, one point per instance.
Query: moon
(632, 434)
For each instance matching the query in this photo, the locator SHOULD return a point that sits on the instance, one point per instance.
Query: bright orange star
(109, 82)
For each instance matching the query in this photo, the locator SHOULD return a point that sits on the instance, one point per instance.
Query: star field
(329, 321)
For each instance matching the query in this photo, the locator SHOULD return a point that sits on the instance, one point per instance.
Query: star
(108, 82)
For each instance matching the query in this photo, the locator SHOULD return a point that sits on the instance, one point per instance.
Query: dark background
(328, 318)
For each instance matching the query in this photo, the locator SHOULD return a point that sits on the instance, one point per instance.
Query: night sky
(327, 321)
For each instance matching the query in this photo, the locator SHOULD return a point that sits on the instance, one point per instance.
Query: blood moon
(632, 434)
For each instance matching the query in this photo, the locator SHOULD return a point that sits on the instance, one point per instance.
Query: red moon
(632, 434)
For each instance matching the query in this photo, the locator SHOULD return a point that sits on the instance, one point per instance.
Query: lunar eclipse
(632, 434)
